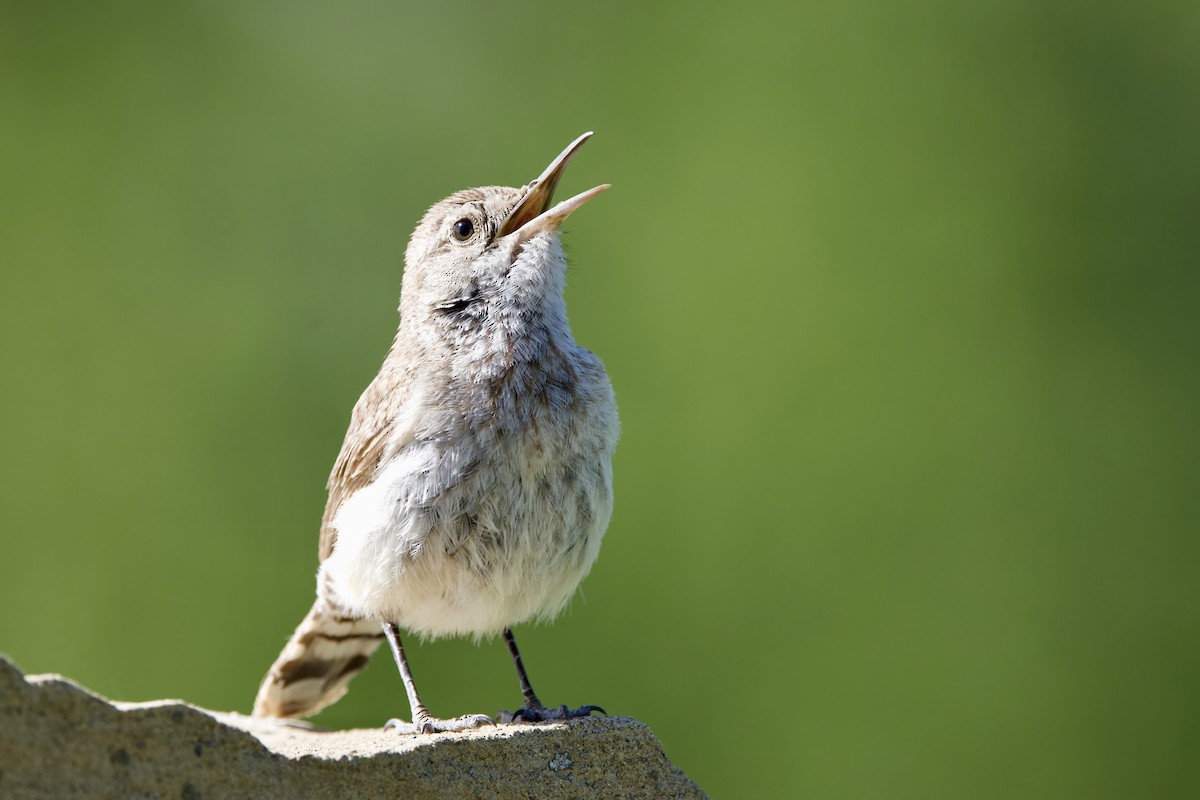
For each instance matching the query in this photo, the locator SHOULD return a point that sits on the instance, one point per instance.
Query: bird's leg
(422, 720)
(531, 698)
(533, 710)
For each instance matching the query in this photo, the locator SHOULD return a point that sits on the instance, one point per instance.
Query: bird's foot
(539, 713)
(426, 723)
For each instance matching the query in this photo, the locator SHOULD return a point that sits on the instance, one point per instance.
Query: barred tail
(316, 665)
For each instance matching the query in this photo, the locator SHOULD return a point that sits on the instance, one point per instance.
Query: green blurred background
(900, 302)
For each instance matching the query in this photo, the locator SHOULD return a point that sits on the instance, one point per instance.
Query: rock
(59, 740)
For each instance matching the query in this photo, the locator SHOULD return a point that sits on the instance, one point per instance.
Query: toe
(400, 726)
(586, 711)
(467, 722)
(435, 725)
(543, 714)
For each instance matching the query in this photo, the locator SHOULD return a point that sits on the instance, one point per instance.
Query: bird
(475, 481)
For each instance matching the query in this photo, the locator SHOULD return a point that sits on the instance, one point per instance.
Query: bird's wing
(372, 429)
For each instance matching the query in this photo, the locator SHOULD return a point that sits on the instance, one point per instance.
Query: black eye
(463, 229)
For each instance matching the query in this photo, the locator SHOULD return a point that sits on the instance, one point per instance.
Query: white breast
(474, 535)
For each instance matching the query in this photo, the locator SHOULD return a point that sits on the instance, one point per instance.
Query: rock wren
(475, 481)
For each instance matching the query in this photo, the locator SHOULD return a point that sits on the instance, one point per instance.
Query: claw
(543, 714)
(434, 725)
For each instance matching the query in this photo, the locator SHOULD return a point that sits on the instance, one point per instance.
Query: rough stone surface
(59, 740)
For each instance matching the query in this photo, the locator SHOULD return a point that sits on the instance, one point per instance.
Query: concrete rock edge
(57, 739)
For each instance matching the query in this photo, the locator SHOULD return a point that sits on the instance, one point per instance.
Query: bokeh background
(900, 301)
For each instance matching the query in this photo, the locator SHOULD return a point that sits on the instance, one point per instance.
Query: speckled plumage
(475, 481)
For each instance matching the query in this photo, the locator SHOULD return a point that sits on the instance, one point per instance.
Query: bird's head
(490, 253)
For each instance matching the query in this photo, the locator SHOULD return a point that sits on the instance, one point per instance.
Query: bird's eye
(463, 229)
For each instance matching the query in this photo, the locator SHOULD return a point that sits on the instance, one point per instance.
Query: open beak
(532, 213)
